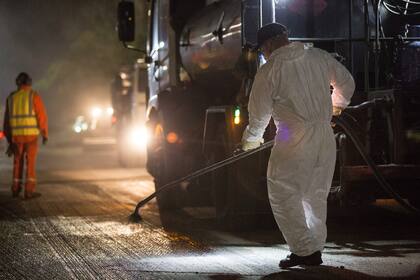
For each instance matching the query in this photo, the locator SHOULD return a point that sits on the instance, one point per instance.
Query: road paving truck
(197, 70)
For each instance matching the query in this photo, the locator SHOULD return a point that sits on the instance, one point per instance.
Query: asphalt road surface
(78, 229)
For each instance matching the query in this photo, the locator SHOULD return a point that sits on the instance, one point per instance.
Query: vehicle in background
(80, 125)
(94, 128)
(98, 121)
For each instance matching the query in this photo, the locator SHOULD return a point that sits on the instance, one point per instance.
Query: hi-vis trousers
(24, 156)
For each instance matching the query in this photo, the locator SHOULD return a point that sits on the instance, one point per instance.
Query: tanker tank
(210, 48)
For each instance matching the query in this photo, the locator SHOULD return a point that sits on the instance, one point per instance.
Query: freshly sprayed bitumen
(78, 229)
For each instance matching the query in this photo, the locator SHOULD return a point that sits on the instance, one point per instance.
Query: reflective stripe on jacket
(23, 121)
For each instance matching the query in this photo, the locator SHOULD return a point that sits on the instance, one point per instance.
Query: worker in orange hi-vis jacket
(25, 119)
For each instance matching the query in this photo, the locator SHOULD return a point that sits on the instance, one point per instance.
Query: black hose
(368, 104)
(135, 216)
(238, 156)
(378, 175)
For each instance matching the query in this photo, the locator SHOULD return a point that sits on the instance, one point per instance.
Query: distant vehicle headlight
(96, 112)
(80, 124)
(77, 129)
(85, 126)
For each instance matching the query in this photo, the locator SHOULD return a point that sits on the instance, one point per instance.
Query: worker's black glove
(10, 150)
(44, 140)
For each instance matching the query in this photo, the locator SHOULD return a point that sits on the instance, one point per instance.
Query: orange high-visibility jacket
(25, 116)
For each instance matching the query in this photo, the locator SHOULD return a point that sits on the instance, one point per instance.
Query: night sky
(33, 34)
(68, 47)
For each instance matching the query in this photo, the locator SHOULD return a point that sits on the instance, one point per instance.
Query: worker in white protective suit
(293, 87)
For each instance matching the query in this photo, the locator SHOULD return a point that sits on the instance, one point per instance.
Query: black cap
(23, 79)
(269, 31)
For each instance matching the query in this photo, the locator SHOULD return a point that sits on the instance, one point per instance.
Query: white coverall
(293, 87)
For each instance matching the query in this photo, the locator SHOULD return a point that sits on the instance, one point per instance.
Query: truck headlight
(139, 137)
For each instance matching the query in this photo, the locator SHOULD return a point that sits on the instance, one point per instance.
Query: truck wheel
(159, 166)
(230, 195)
(247, 198)
(166, 200)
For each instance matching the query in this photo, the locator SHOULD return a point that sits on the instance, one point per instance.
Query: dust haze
(70, 48)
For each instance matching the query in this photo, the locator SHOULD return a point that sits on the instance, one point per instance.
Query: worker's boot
(294, 260)
(31, 195)
(30, 189)
(16, 191)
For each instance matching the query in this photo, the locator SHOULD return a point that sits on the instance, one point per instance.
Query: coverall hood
(290, 51)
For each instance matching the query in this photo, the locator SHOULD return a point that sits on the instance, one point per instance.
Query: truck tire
(158, 164)
(166, 200)
(170, 199)
(247, 200)
(239, 197)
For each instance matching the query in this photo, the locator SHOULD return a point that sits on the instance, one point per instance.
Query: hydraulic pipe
(378, 24)
(378, 175)
(377, 46)
(350, 39)
(367, 47)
